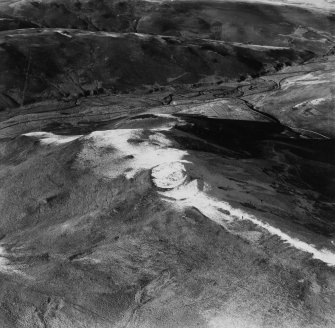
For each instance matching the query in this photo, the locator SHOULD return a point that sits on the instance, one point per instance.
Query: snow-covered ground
(130, 151)
(220, 211)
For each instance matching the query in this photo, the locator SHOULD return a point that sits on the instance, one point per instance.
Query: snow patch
(193, 194)
(307, 79)
(324, 5)
(63, 33)
(169, 175)
(259, 46)
(318, 101)
(132, 151)
(313, 102)
(5, 266)
(50, 138)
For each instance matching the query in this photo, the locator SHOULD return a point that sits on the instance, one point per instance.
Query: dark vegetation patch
(143, 116)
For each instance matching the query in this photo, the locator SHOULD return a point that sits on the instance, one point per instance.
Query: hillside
(167, 164)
